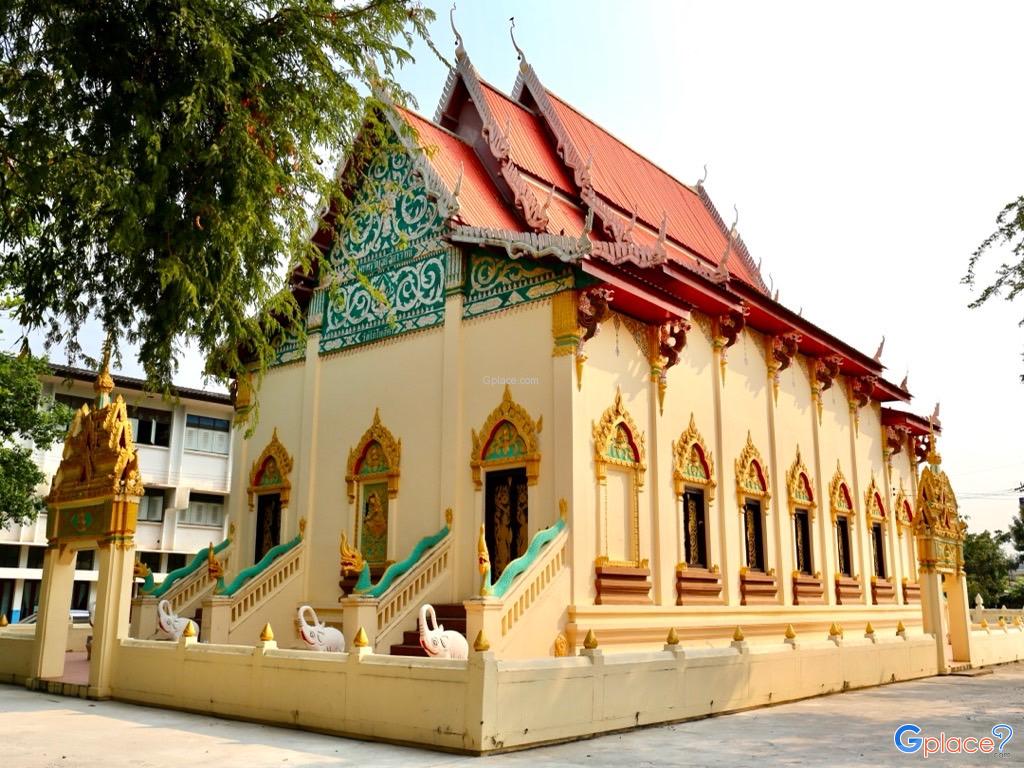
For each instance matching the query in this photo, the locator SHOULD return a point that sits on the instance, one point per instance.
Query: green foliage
(28, 420)
(158, 158)
(1009, 276)
(1016, 534)
(987, 566)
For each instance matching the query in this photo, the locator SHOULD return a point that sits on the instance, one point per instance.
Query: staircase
(450, 615)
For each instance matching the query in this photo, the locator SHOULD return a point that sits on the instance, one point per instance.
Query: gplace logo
(908, 740)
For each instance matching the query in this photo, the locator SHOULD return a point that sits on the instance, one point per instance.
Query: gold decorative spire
(267, 634)
(448, 515)
(835, 630)
(933, 456)
(869, 630)
(484, 563)
(104, 383)
(790, 632)
(590, 641)
(900, 629)
(190, 629)
(3, 620)
(673, 638)
(737, 634)
(481, 643)
(361, 641)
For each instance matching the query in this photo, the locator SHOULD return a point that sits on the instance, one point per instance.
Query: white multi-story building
(184, 449)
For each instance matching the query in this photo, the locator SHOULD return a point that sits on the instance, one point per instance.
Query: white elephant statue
(170, 622)
(318, 635)
(438, 642)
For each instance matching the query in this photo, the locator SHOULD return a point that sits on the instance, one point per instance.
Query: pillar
(54, 608)
(144, 617)
(959, 616)
(358, 611)
(932, 615)
(113, 599)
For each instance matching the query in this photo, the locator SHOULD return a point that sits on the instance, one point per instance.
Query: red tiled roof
(529, 146)
(631, 182)
(480, 205)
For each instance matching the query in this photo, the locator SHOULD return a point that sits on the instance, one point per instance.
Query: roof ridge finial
(933, 456)
(903, 384)
(104, 383)
(519, 51)
(460, 49)
(662, 232)
(878, 352)
(722, 271)
(702, 179)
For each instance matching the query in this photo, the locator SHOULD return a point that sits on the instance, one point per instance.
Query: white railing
(256, 593)
(186, 593)
(533, 582)
(403, 596)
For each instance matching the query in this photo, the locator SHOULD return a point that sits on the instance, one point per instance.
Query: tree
(987, 566)
(1016, 533)
(29, 420)
(158, 159)
(1009, 276)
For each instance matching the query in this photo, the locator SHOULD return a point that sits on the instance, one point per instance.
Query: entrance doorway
(506, 517)
(268, 524)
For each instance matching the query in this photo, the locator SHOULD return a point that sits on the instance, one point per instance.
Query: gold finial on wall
(737, 634)
(361, 640)
(190, 629)
(673, 637)
(790, 632)
(481, 643)
(900, 629)
(590, 641)
(869, 630)
(835, 630)
(267, 634)
(448, 516)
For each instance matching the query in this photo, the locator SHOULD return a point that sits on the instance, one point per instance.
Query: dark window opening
(878, 549)
(753, 529)
(80, 596)
(9, 555)
(35, 557)
(150, 560)
(843, 541)
(150, 427)
(695, 539)
(802, 532)
(84, 560)
(176, 560)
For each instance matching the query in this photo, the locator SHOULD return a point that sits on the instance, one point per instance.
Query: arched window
(372, 478)
(800, 491)
(753, 495)
(269, 493)
(693, 471)
(505, 461)
(619, 460)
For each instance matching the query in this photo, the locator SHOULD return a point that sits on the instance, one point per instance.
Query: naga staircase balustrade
(534, 575)
(382, 608)
(184, 588)
(252, 596)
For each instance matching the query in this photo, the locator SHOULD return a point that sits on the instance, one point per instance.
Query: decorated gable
(389, 257)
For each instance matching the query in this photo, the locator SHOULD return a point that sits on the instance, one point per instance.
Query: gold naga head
(214, 567)
(351, 559)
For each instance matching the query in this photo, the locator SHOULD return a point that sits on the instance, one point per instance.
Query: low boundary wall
(486, 704)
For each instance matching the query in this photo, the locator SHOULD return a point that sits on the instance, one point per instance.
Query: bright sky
(867, 145)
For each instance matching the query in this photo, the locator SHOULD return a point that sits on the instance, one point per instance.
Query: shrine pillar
(113, 600)
(54, 609)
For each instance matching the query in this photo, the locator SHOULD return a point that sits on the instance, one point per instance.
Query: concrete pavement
(851, 729)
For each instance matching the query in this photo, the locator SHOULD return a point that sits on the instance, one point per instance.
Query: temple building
(543, 397)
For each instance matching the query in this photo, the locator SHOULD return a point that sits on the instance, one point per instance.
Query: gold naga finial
(351, 559)
(302, 527)
(481, 643)
(563, 509)
(590, 641)
(933, 457)
(267, 634)
(673, 637)
(140, 570)
(214, 569)
(448, 516)
(483, 563)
